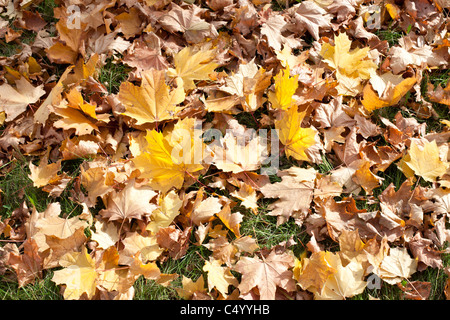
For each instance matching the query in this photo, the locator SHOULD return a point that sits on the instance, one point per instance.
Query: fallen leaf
(266, 274)
(424, 161)
(352, 66)
(130, 203)
(28, 266)
(285, 87)
(296, 140)
(295, 193)
(396, 266)
(219, 277)
(193, 65)
(79, 275)
(157, 163)
(15, 101)
(152, 101)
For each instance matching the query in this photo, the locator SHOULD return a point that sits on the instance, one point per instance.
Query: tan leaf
(295, 193)
(425, 161)
(219, 277)
(59, 247)
(266, 274)
(397, 266)
(106, 234)
(14, 101)
(230, 220)
(188, 21)
(129, 203)
(146, 246)
(193, 65)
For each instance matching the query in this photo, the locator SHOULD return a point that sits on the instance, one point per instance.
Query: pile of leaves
(349, 107)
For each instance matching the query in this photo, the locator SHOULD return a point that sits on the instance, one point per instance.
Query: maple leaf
(219, 277)
(392, 90)
(79, 275)
(14, 101)
(45, 173)
(76, 113)
(106, 234)
(364, 176)
(295, 193)
(325, 275)
(129, 23)
(204, 209)
(175, 241)
(152, 101)
(129, 203)
(168, 208)
(296, 140)
(285, 87)
(246, 86)
(191, 65)
(248, 195)
(425, 161)
(310, 16)
(352, 67)
(272, 28)
(28, 266)
(266, 274)
(157, 164)
(396, 266)
(314, 271)
(95, 181)
(231, 220)
(191, 288)
(440, 95)
(50, 224)
(187, 21)
(145, 247)
(234, 153)
(59, 247)
(346, 282)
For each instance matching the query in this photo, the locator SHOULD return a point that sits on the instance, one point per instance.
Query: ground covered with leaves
(224, 149)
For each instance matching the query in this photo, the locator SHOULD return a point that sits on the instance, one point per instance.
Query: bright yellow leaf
(156, 163)
(295, 138)
(285, 87)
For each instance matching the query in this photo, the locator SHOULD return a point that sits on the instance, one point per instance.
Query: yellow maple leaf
(295, 138)
(155, 162)
(193, 65)
(352, 66)
(79, 274)
(219, 277)
(152, 101)
(285, 87)
(425, 162)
